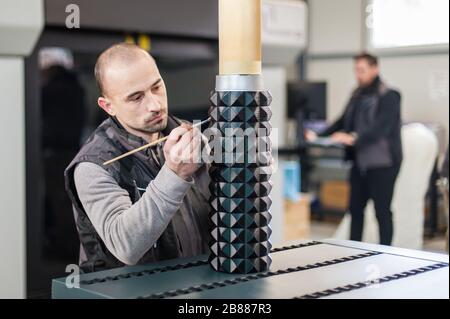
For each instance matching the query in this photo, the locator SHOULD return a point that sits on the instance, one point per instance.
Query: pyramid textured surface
(240, 181)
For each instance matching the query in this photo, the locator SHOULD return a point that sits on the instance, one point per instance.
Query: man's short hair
(371, 59)
(125, 52)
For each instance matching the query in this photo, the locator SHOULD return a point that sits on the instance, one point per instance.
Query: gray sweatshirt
(128, 230)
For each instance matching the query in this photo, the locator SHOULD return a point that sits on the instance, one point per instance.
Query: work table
(306, 269)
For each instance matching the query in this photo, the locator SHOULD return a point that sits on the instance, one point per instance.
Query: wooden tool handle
(150, 144)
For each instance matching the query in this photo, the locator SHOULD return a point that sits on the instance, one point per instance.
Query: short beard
(155, 128)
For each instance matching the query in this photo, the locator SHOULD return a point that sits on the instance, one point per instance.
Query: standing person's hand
(343, 138)
(182, 151)
(310, 136)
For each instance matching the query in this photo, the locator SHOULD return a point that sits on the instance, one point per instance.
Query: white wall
(423, 81)
(12, 179)
(275, 81)
(334, 26)
(21, 22)
(340, 82)
(337, 32)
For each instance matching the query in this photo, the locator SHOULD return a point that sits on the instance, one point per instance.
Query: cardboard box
(335, 195)
(297, 218)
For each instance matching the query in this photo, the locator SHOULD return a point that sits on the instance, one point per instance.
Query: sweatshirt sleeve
(129, 230)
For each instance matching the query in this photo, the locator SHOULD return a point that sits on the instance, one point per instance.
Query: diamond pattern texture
(240, 181)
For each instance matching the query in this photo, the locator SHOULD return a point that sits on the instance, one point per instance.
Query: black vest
(133, 174)
(381, 153)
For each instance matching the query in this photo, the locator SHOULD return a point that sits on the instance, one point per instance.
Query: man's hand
(182, 151)
(310, 136)
(343, 138)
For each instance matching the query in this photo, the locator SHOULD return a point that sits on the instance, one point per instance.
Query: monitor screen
(308, 97)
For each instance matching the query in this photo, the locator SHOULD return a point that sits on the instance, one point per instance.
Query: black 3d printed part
(240, 181)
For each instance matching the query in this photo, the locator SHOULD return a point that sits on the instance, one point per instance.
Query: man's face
(365, 73)
(136, 95)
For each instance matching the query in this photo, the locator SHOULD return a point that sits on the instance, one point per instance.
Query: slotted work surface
(308, 269)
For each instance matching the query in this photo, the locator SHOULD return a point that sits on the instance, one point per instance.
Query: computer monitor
(308, 97)
(307, 105)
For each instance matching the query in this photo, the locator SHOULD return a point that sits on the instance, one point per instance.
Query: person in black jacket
(370, 128)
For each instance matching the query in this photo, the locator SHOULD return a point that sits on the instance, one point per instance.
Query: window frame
(401, 50)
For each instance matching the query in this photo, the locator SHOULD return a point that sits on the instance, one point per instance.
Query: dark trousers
(378, 185)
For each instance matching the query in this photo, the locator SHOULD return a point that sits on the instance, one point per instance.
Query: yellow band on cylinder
(239, 37)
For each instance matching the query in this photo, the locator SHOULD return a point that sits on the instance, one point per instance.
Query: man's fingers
(310, 135)
(180, 143)
(187, 151)
(180, 147)
(185, 139)
(175, 135)
(178, 132)
(196, 154)
(190, 147)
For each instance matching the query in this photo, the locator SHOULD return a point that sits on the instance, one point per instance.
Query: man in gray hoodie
(149, 206)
